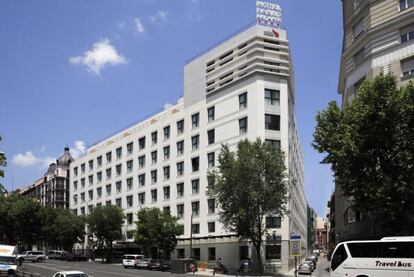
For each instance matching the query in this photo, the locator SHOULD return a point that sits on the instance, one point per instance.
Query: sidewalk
(209, 272)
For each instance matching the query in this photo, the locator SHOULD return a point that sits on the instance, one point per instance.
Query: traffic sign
(295, 248)
(295, 237)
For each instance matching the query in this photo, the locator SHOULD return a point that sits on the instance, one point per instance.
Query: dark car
(165, 265)
(154, 264)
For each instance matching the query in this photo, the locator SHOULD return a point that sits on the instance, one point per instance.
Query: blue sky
(75, 71)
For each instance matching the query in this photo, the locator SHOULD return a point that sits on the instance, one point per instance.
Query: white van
(131, 260)
(8, 265)
(392, 256)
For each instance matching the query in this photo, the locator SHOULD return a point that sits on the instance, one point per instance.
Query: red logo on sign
(275, 33)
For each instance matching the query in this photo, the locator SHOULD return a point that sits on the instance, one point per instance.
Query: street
(50, 267)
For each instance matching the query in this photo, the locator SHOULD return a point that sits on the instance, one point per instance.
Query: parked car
(165, 265)
(70, 274)
(31, 256)
(131, 260)
(312, 259)
(304, 268)
(310, 263)
(154, 264)
(142, 263)
(70, 257)
(56, 254)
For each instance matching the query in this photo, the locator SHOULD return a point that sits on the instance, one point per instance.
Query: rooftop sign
(269, 14)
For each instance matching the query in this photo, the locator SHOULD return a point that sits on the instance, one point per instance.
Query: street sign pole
(295, 250)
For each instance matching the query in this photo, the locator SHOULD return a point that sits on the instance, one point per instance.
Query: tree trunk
(259, 257)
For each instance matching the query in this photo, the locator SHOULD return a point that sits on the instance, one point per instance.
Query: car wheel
(39, 260)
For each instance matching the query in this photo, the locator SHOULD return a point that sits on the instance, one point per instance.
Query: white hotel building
(242, 87)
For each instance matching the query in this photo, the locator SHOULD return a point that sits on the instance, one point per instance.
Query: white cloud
(78, 149)
(26, 159)
(139, 27)
(29, 159)
(159, 16)
(101, 55)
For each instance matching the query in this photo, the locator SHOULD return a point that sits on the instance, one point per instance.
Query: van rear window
(129, 257)
(381, 249)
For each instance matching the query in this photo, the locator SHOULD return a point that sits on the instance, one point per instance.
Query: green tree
(159, 229)
(61, 228)
(105, 222)
(369, 144)
(3, 163)
(249, 184)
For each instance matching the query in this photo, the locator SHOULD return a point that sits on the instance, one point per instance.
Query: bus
(388, 257)
(8, 266)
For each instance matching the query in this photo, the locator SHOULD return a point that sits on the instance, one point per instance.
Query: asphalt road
(93, 269)
(96, 269)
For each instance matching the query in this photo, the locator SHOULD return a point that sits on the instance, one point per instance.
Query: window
(90, 163)
(195, 164)
(75, 171)
(166, 172)
(141, 161)
(118, 170)
(180, 189)
(211, 114)
(141, 180)
(166, 209)
(195, 118)
(108, 203)
(154, 195)
(272, 122)
(180, 253)
(195, 186)
(99, 192)
(75, 185)
(180, 168)
(211, 136)
(382, 250)
(130, 218)
(243, 252)
(180, 127)
(108, 190)
(407, 68)
(83, 210)
(118, 152)
(180, 148)
(129, 165)
(211, 253)
(130, 148)
(90, 193)
(108, 173)
(273, 252)
(180, 211)
(166, 193)
(129, 183)
(166, 153)
(195, 208)
(211, 227)
(409, 35)
(196, 251)
(195, 140)
(211, 206)
(118, 202)
(90, 180)
(405, 4)
(358, 29)
(75, 199)
(195, 229)
(359, 57)
(82, 183)
(108, 157)
(82, 197)
(273, 222)
(99, 177)
(141, 198)
(273, 142)
(154, 176)
(243, 125)
(211, 157)
(129, 200)
(154, 157)
(154, 137)
(82, 168)
(338, 257)
(166, 132)
(99, 161)
(141, 143)
(272, 97)
(243, 100)
(118, 186)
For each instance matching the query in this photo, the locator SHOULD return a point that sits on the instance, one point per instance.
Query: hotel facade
(242, 88)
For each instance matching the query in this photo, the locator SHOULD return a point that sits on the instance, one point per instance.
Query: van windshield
(129, 257)
(7, 260)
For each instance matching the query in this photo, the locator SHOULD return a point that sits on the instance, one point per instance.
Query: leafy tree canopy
(3, 163)
(249, 184)
(369, 143)
(156, 228)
